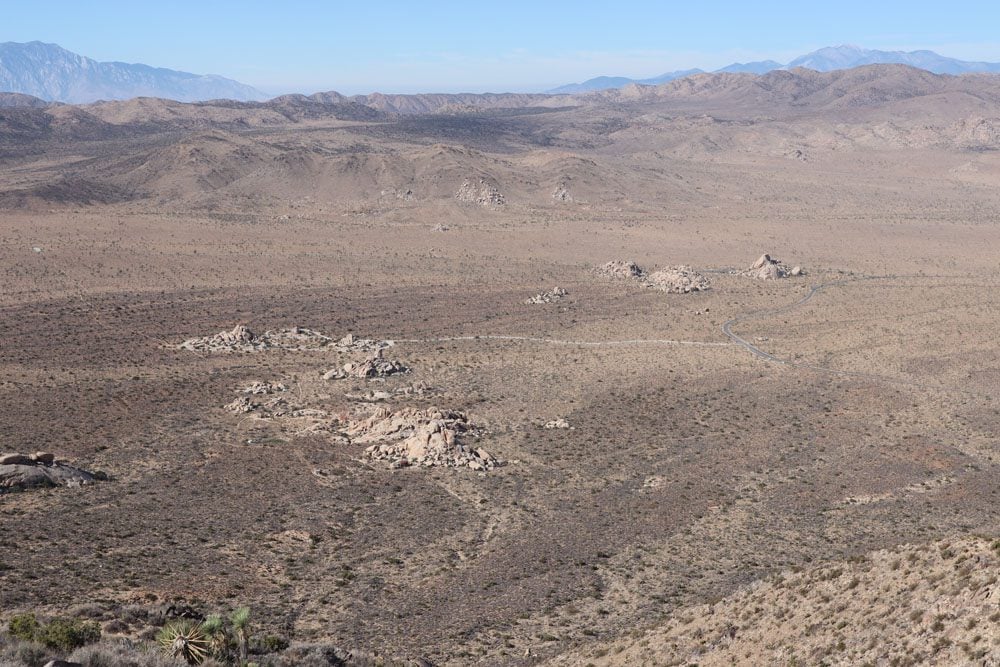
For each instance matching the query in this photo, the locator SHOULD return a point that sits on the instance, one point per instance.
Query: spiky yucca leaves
(184, 640)
(215, 630)
(240, 620)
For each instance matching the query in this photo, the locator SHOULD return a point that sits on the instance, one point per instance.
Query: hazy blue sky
(488, 45)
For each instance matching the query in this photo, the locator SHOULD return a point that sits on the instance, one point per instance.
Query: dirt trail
(558, 341)
(727, 329)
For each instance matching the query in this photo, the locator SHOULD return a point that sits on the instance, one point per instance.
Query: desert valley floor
(719, 450)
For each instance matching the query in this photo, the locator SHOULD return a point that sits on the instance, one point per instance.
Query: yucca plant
(240, 620)
(215, 630)
(184, 640)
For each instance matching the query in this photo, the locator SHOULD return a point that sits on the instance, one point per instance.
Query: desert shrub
(271, 644)
(87, 610)
(116, 627)
(63, 634)
(23, 626)
(119, 655)
(66, 634)
(17, 652)
(305, 655)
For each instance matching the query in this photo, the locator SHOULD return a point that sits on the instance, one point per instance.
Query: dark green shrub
(272, 644)
(63, 634)
(23, 626)
(66, 634)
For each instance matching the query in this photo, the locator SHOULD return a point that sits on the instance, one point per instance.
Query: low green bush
(61, 634)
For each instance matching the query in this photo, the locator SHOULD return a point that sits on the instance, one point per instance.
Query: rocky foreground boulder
(20, 472)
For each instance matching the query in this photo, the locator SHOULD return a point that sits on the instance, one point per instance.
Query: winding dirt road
(735, 340)
(559, 341)
(727, 329)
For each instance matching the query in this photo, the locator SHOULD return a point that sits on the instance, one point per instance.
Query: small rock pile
(619, 268)
(241, 406)
(269, 409)
(678, 280)
(376, 395)
(239, 339)
(242, 339)
(480, 192)
(767, 268)
(375, 366)
(296, 338)
(557, 424)
(351, 344)
(19, 472)
(259, 388)
(268, 401)
(561, 194)
(429, 437)
(553, 294)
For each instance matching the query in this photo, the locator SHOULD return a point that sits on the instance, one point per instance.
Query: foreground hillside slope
(935, 603)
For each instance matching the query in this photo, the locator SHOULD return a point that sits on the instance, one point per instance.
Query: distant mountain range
(823, 60)
(52, 73)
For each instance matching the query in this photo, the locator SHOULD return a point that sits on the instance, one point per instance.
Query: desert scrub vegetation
(225, 640)
(16, 652)
(219, 639)
(61, 634)
(184, 640)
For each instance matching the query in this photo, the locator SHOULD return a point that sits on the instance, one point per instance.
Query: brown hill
(22, 100)
(803, 89)
(917, 604)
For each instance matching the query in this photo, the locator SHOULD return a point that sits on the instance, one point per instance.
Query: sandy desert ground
(728, 450)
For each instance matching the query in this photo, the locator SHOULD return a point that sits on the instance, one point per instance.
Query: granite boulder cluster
(413, 437)
(242, 339)
(768, 268)
(675, 279)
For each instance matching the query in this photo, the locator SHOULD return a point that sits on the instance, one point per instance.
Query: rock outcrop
(562, 194)
(242, 339)
(678, 280)
(768, 268)
(429, 437)
(375, 366)
(481, 192)
(377, 395)
(259, 388)
(620, 268)
(19, 472)
(553, 294)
